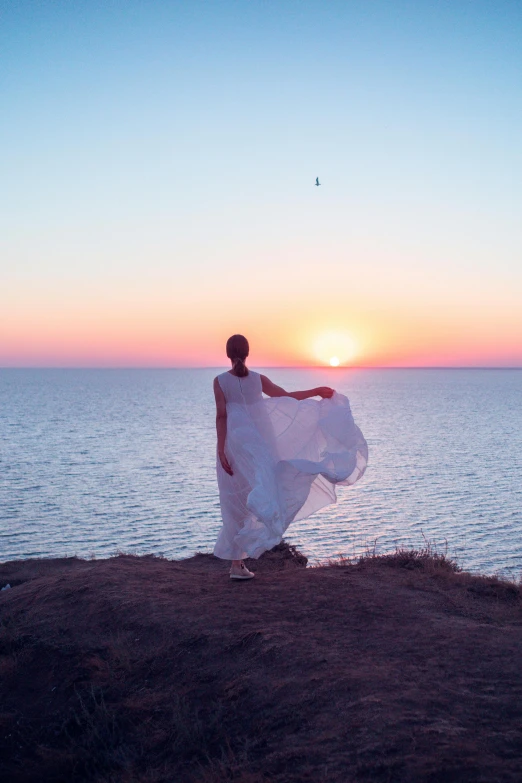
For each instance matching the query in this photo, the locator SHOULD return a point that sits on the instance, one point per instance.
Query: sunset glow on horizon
(159, 163)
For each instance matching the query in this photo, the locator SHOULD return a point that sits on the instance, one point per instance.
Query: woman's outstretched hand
(325, 392)
(225, 464)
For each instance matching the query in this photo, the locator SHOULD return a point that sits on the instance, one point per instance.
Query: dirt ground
(145, 670)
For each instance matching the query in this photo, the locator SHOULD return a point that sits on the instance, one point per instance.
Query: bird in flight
(317, 183)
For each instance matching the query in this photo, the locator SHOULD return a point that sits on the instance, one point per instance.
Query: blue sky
(152, 147)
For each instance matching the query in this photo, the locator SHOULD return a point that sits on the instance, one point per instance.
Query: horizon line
(268, 367)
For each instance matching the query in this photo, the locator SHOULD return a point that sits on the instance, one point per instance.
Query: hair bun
(237, 351)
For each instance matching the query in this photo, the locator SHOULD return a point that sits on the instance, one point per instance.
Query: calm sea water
(99, 461)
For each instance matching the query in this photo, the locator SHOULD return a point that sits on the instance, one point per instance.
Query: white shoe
(241, 573)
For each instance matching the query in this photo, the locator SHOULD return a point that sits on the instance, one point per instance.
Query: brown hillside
(144, 670)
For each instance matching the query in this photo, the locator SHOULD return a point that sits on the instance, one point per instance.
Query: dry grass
(427, 558)
(436, 563)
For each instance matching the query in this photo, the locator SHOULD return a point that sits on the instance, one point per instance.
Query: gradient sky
(157, 169)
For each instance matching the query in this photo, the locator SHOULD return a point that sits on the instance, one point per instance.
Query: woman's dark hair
(237, 352)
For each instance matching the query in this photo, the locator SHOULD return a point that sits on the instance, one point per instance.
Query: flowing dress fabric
(287, 456)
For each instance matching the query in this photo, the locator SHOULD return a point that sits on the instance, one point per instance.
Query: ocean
(96, 462)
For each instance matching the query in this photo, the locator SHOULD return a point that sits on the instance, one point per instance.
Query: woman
(278, 459)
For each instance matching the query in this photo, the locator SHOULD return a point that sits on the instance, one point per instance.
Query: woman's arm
(271, 390)
(221, 426)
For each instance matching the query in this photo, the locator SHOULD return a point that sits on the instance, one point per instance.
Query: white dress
(287, 455)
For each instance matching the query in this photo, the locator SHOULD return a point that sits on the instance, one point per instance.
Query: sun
(337, 348)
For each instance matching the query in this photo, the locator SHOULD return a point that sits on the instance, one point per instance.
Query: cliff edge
(145, 670)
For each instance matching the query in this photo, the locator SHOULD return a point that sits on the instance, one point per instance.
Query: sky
(157, 193)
